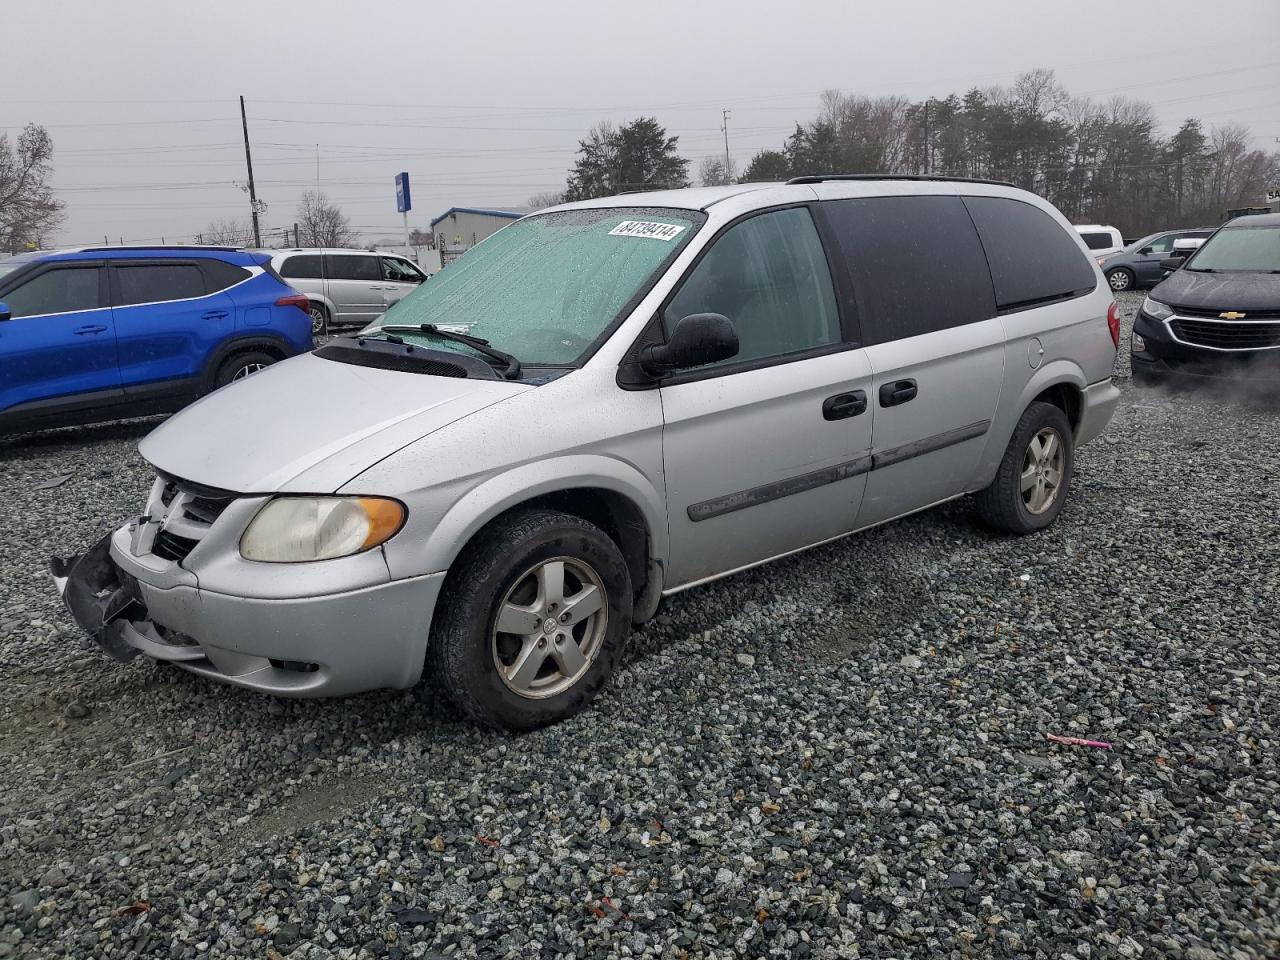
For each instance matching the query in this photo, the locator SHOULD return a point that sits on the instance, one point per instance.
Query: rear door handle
(900, 391)
(91, 328)
(213, 315)
(844, 405)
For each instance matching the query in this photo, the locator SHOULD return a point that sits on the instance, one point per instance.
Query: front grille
(1217, 314)
(188, 511)
(170, 546)
(1225, 334)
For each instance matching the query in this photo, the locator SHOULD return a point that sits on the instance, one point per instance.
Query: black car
(1138, 264)
(1218, 314)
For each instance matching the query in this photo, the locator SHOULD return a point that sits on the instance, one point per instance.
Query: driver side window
(1163, 244)
(769, 276)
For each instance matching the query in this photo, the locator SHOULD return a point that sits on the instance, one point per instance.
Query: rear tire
(1120, 279)
(537, 574)
(242, 365)
(1034, 478)
(319, 319)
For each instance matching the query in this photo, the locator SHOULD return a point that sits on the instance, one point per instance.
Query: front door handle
(91, 328)
(213, 315)
(900, 391)
(844, 405)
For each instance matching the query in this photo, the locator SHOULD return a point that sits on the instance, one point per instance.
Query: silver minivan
(598, 406)
(346, 287)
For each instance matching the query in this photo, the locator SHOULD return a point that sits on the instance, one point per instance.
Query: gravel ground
(840, 755)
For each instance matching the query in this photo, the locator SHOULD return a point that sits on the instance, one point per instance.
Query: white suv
(600, 405)
(346, 287)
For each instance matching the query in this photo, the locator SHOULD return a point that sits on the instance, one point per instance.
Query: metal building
(459, 229)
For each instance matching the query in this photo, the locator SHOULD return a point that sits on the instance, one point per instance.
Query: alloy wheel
(550, 626)
(1042, 467)
(1119, 280)
(247, 370)
(317, 320)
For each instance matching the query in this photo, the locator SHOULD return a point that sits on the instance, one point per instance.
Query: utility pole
(926, 136)
(295, 235)
(724, 114)
(248, 162)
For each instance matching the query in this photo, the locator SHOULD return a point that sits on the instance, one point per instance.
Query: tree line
(1098, 161)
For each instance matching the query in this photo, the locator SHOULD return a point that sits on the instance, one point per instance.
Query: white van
(1102, 241)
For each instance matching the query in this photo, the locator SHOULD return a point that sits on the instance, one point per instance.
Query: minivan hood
(1219, 291)
(309, 425)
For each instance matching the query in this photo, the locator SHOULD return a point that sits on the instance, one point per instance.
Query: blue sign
(403, 204)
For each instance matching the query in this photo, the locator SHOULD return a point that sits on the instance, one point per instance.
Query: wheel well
(271, 349)
(1066, 398)
(612, 512)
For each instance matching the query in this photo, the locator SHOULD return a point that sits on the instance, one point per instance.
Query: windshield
(546, 288)
(1251, 249)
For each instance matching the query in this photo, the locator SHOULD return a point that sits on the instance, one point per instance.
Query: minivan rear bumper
(328, 645)
(1099, 404)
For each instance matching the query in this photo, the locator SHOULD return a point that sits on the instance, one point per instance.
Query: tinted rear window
(158, 282)
(1097, 241)
(1033, 259)
(303, 267)
(916, 264)
(219, 274)
(353, 268)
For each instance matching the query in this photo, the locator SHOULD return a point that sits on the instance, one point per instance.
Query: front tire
(1035, 474)
(1120, 280)
(532, 620)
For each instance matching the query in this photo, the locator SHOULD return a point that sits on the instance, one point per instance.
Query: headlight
(1136, 343)
(1156, 310)
(298, 529)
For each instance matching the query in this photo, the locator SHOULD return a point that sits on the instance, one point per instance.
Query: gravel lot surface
(839, 755)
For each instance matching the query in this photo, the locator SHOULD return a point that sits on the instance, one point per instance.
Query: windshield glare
(547, 287)
(1250, 249)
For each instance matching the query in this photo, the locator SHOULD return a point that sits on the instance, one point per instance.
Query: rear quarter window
(218, 274)
(305, 266)
(1097, 241)
(915, 263)
(1033, 258)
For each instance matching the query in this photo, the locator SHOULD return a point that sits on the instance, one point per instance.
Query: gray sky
(483, 102)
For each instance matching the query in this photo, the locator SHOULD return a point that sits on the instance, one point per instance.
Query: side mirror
(697, 340)
(5, 312)
(1144, 252)
(1172, 263)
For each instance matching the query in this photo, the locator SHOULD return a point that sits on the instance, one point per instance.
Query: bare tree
(712, 173)
(228, 233)
(321, 224)
(548, 198)
(28, 210)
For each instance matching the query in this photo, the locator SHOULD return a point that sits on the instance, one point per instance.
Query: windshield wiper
(1201, 270)
(475, 343)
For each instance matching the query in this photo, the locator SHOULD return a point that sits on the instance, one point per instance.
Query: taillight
(1113, 322)
(303, 304)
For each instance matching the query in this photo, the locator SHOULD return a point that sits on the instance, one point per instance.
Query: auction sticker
(649, 229)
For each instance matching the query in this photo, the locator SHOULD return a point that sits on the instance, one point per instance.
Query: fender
(509, 489)
(235, 344)
(1049, 375)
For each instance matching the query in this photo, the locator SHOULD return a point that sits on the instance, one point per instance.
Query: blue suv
(108, 332)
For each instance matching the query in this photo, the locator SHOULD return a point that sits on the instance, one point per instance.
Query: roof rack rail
(160, 246)
(820, 178)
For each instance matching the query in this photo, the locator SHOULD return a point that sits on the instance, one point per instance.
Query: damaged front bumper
(106, 603)
(332, 643)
